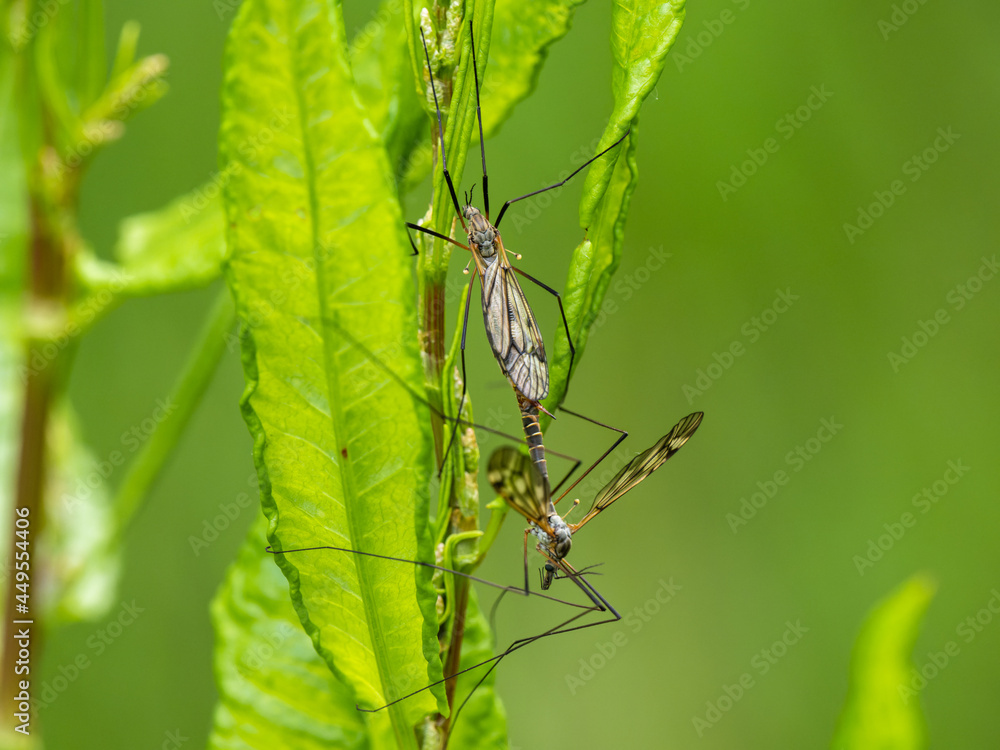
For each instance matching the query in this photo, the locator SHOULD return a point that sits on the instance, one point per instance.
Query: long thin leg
(479, 117)
(560, 184)
(621, 436)
(516, 645)
(419, 563)
(437, 108)
(598, 603)
(432, 233)
(559, 630)
(437, 412)
(562, 313)
(496, 602)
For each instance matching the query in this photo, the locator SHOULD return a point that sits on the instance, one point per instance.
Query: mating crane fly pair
(522, 481)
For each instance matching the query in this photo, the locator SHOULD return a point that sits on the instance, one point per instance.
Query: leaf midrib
(347, 479)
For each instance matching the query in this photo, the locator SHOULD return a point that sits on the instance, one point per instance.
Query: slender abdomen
(533, 434)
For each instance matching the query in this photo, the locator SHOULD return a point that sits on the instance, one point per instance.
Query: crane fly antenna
(437, 109)
(479, 119)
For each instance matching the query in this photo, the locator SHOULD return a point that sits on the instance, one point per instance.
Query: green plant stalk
(460, 518)
(185, 396)
(53, 236)
(38, 399)
(432, 272)
(462, 523)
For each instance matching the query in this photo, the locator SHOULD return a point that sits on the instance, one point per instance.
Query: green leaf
(128, 43)
(178, 247)
(522, 34)
(274, 690)
(92, 66)
(461, 114)
(880, 713)
(380, 63)
(316, 244)
(641, 35)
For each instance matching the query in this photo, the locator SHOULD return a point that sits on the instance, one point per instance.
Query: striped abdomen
(533, 434)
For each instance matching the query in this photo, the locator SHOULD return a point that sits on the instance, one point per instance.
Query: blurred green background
(738, 72)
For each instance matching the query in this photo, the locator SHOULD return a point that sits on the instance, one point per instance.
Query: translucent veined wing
(643, 465)
(513, 333)
(527, 368)
(495, 309)
(516, 479)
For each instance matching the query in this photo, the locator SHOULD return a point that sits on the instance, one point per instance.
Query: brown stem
(453, 661)
(47, 293)
(432, 347)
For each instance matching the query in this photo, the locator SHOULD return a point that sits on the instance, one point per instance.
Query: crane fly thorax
(557, 542)
(482, 235)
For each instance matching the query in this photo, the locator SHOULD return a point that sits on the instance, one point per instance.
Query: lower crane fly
(516, 478)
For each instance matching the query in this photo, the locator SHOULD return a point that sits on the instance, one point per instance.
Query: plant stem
(185, 397)
(46, 300)
(432, 349)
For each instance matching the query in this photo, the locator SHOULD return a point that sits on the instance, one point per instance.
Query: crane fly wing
(643, 465)
(525, 360)
(516, 479)
(511, 329)
(495, 311)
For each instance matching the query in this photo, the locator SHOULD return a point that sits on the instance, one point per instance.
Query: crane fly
(510, 324)
(516, 480)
